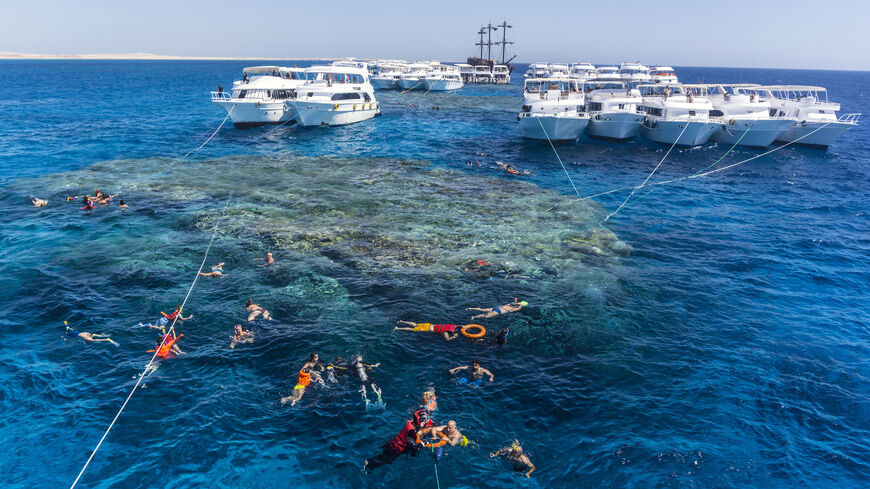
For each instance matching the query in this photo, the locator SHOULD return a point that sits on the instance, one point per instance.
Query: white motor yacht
(747, 119)
(333, 96)
(816, 122)
(581, 71)
(663, 74)
(613, 109)
(466, 72)
(412, 77)
(441, 78)
(553, 109)
(558, 70)
(388, 76)
(258, 98)
(635, 72)
(537, 70)
(676, 115)
(607, 72)
(501, 75)
(482, 74)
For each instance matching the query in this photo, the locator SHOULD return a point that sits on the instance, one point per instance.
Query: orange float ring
(481, 331)
(440, 443)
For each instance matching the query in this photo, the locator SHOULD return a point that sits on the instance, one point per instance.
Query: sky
(833, 34)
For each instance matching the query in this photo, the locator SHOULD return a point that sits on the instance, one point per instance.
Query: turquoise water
(714, 334)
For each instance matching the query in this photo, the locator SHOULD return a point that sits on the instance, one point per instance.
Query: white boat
(607, 72)
(482, 74)
(613, 109)
(441, 78)
(558, 70)
(412, 77)
(553, 109)
(747, 118)
(676, 115)
(259, 97)
(466, 72)
(816, 121)
(635, 72)
(581, 71)
(501, 75)
(334, 96)
(663, 74)
(388, 76)
(537, 70)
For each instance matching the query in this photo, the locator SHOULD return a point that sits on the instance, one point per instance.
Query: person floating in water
(241, 336)
(255, 311)
(515, 455)
(269, 260)
(87, 205)
(491, 312)
(429, 401)
(501, 336)
(447, 330)
(306, 375)
(37, 202)
(404, 442)
(451, 434)
(363, 372)
(166, 319)
(475, 374)
(69, 332)
(216, 271)
(166, 344)
(122, 204)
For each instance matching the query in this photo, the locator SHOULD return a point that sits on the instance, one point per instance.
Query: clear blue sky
(778, 34)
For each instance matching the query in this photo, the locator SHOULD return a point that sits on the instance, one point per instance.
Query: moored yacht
(581, 71)
(388, 76)
(501, 74)
(663, 74)
(258, 98)
(607, 72)
(412, 77)
(466, 72)
(816, 122)
(553, 109)
(482, 74)
(558, 70)
(334, 95)
(747, 120)
(537, 70)
(442, 78)
(676, 115)
(613, 109)
(635, 72)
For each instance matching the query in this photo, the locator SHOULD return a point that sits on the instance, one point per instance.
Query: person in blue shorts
(491, 312)
(475, 374)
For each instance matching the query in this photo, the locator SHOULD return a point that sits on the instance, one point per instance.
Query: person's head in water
(475, 365)
(238, 329)
(313, 358)
(451, 426)
(250, 302)
(421, 417)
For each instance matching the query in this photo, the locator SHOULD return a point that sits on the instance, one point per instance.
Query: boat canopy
(546, 84)
(253, 70)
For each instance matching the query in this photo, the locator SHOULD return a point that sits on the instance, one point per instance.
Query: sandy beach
(141, 56)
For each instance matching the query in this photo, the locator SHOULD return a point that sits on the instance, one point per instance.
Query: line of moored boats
(561, 102)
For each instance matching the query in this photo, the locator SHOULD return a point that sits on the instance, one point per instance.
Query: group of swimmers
(314, 370)
(89, 202)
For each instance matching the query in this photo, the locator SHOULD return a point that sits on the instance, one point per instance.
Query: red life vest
(443, 328)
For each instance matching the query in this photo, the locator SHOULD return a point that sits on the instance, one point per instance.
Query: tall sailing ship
(483, 70)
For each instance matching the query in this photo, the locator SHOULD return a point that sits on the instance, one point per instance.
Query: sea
(714, 333)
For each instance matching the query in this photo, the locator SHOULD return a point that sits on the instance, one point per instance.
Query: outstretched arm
(461, 367)
(487, 372)
(498, 452)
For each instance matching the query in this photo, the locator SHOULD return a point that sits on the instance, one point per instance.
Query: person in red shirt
(447, 330)
(404, 442)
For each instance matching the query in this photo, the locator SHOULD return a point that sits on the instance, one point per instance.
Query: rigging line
(435, 464)
(269, 131)
(559, 158)
(650, 175)
(408, 90)
(156, 351)
(212, 134)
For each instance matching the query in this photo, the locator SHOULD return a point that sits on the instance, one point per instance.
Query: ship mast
(504, 42)
(489, 28)
(481, 43)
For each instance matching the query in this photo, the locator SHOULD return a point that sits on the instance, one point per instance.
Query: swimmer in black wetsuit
(515, 455)
(362, 371)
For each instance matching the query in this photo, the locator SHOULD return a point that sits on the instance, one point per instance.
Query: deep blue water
(729, 349)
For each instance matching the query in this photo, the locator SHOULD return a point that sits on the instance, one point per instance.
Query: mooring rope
(212, 134)
(408, 90)
(559, 158)
(269, 131)
(156, 351)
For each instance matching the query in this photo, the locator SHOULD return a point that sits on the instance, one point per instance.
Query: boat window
(594, 106)
(242, 93)
(713, 113)
(691, 113)
(366, 97)
(346, 96)
(527, 108)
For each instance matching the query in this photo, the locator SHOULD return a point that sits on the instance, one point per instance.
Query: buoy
(481, 331)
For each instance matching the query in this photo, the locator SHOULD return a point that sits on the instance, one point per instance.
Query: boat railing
(850, 118)
(222, 95)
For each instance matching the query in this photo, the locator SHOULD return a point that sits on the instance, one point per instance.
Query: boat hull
(385, 83)
(253, 114)
(410, 84)
(822, 138)
(614, 125)
(667, 132)
(752, 133)
(311, 114)
(437, 85)
(556, 128)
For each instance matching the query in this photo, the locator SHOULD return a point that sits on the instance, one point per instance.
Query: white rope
(212, 134)
(558, 158)
(648, 176)
(156, 351)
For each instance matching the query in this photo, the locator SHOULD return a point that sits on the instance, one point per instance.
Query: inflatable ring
(440, 443)
(481, 331)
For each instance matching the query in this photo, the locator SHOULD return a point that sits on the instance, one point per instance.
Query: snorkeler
(87, 205)
(363, 372)
(37, 202)
(305, 377)
(404, 442)
(216, 271)
(447, 330)
(166, 344)
(514, 454)
(241, 336)
(255, 311)
(69, 332)
(475, 373)
(269, 259)
(122, 204)
(165, 319)
(452, 435)
(491, 312)
(429, 401)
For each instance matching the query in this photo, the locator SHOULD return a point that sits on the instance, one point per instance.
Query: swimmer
(501, 336)
(447, 330)
(255, 311)
(491, 312)
(454, 437)
(241, 336)
(430, 401)
(175, 314)
(85, 336)
(216, 271)
(402, 443)
(363, 372)
(166, 344)
(37, 202)
(305, 377)
(514, 454)
(87, 205)
(122, 204)
(269, 260)
(313, 362)
(475, 373)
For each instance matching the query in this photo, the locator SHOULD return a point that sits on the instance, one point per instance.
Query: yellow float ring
(334, 106)
(473, 336)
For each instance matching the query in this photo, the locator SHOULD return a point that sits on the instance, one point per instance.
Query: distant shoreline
(145, 56)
